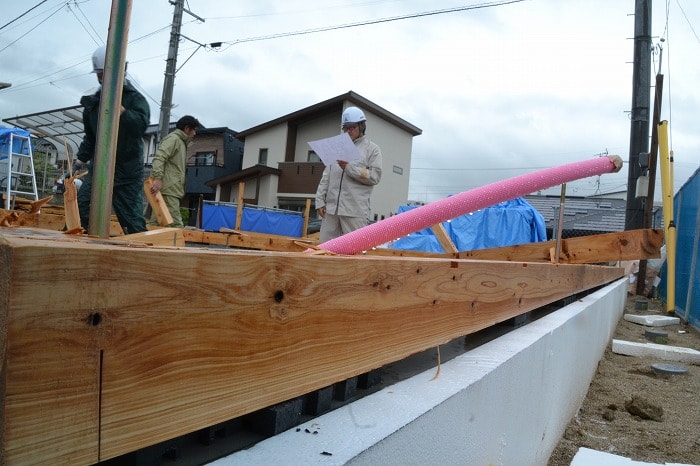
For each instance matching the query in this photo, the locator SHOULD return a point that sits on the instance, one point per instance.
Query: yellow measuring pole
(666, 161)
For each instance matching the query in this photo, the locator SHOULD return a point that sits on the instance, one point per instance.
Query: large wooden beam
(593, 249)
(102, 354)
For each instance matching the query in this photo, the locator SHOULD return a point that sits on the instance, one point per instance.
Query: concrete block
(319, 401)
(369, 379)
(278, 418)
(343, 391)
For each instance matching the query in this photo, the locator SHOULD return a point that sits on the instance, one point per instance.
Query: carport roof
(54, 125)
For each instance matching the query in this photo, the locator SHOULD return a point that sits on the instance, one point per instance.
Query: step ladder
(17, 175)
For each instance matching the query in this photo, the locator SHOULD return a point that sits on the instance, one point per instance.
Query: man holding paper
(343, 194)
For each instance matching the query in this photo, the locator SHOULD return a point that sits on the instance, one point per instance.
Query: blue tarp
(216, 216)
(20, 146)
(505, 224)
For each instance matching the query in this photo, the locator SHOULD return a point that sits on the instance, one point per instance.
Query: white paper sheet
(335, 148)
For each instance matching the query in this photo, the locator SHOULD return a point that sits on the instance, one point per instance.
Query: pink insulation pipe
(468, 201)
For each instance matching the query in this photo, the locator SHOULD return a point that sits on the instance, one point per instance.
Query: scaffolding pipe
(108, 120)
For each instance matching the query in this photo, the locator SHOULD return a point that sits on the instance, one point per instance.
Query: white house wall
(274, 140)
(396, 146)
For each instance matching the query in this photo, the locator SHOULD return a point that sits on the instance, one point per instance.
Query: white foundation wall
(506, 402)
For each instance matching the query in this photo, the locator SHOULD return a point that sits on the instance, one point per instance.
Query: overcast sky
(498, 88)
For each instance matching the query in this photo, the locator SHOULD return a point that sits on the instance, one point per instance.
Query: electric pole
(639, 131)
(166, 102)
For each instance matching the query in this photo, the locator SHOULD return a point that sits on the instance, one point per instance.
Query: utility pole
(166, 102)
(639, 131)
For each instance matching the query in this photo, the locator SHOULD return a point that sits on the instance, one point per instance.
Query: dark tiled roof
(587, 214)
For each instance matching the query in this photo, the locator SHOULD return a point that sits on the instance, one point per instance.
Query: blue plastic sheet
(216, 216)
(272, 222)
(20, 145)
(505, 224)
(687, 219)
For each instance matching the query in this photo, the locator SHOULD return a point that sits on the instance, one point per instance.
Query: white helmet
(98, 59)
(352, 115)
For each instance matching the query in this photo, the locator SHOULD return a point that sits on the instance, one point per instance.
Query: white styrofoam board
(652, 320)
(665, 352)
(587, 457)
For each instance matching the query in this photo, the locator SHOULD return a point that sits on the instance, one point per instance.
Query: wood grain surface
(108, 347)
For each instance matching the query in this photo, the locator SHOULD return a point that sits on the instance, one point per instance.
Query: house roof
(249, 173)
(334, 105)
(582, 213)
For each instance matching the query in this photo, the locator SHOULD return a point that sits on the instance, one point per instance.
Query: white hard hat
(352, 115)
(98, 59)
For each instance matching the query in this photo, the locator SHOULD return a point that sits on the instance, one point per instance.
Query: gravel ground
(632, 411)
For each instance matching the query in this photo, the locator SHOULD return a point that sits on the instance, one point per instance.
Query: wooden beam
(239, 205)
(49, 221)
(593, 249)
(157, 203)
(443, 238)
(608, 247)
(108, 358)
(158, 237)
(249, 240)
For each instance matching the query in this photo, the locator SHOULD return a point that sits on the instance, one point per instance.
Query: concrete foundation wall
(504, 403)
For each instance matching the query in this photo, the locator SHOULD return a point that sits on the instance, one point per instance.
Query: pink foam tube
(468, 201)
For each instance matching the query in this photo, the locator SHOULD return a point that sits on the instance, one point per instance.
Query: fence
(687, 219)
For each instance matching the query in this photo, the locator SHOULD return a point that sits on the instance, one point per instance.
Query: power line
(32, 8)
(373, 21)
(20, 37)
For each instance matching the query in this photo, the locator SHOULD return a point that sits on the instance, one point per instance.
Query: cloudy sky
(499, 88)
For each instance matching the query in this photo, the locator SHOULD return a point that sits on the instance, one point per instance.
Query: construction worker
(169, 165)
(343, 194)
(127, 193)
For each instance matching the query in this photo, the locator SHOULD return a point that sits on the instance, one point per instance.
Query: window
(398, 170)
(262, 156)
(313, 157)
(204, 159)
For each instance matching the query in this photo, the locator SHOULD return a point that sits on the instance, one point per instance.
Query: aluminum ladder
(17, 165)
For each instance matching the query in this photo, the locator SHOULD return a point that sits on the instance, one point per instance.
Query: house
(280, 170)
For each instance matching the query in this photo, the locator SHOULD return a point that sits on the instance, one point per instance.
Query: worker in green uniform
(169, 166)
(127, 193)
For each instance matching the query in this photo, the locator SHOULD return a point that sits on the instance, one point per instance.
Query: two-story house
(281, 171)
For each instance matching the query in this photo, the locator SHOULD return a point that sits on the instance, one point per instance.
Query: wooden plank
(49, 221)
(607, 247)
(159, 237)
(443, 238)
(70, 204)
(240, 205)
(249, 240)
(157, 203)
(183, 350)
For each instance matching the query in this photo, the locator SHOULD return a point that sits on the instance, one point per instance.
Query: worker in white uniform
(343, 194)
